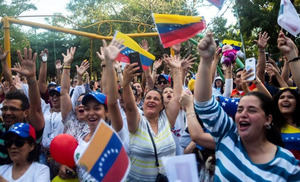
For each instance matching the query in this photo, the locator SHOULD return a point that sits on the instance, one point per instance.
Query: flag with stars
(291, 138)
(130, 47)
(105, 157)
(229, 105)
(174, 29)
(217, 3)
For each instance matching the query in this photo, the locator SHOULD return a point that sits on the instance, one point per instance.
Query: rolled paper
(220, 72)
(239, 63)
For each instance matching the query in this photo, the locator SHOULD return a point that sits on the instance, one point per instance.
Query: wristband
(66, 67)
(293, 60)
(44, 58)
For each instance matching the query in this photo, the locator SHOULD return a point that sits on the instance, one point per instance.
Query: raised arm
(58, 68)
(186, 65)
(290, 50)
(270, 68)
(65, 100)
(42, 82)
(196, 131)
(215, 63)
(28, 69)
(108, 55)
(207, 48)
(132, 113)
(5, 70)
(156, 65)
(173, 107)
(262, 43)
(148, 77)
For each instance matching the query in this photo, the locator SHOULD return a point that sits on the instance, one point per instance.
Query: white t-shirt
(53, 125)
(35, 173)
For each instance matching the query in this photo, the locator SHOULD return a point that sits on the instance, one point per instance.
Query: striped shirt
(232, 160)
(141, 151)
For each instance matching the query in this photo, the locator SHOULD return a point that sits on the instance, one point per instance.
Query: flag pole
(239, 25)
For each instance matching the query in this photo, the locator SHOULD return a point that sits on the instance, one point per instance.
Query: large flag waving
(105, 157)
(218, 3)
(288, 18)
(174, 29)
(131, 46)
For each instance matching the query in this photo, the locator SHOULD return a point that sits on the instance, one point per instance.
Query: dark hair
(267, 105)
(18, 95)
(222, 87)
(296, 115)
(160, 93)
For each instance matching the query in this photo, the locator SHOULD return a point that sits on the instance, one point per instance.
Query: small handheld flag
(131, 46)
(105, 157)
(217, 3)
(174, 29)
(236, 45)
(288, 18)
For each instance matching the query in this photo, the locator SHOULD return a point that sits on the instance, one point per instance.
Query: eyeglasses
(17, 142)
(292, 88)
(162, 81)
(11, 108)
(52, 94)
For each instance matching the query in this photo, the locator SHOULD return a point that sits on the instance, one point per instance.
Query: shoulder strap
(155, 152)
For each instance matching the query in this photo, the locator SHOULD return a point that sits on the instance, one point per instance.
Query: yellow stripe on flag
(130, 43)
(98, 143)
(232, 42)
(176, 19)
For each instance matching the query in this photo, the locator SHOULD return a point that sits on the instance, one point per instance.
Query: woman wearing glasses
(288, 108)
(20, 142)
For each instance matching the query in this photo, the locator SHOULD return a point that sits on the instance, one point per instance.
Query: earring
(268, 126)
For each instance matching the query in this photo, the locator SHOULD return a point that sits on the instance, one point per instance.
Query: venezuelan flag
(291, 138)
(131, 46)
(105, 158)
(235, 44)
(174, 29)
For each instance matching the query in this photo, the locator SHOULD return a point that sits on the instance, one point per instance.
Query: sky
(49, 7)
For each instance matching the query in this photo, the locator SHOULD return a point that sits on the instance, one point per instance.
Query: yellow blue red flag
(235, 44)
(174, 29)
(132, 46)
(217, 3)
(105, 157)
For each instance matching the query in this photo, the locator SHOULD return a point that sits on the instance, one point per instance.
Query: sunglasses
(162, 81)
(284, 88)
(17, 142)
(11, 108)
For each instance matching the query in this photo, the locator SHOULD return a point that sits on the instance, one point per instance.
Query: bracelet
(66, 67)
(293, 60)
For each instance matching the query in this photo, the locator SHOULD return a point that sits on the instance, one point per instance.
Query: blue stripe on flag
(165, 28)
(107, 158)
(144, 59)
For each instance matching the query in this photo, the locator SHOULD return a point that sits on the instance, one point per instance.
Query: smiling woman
(21, 147)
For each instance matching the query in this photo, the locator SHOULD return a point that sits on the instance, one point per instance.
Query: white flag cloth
(288, 18)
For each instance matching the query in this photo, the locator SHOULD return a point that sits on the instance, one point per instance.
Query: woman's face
(18, 149)
(287, 103)
(167, 95)
(251, 119)
(138, 88)
(94, 112)
(79, 109)
(152, 103)
(219, 83)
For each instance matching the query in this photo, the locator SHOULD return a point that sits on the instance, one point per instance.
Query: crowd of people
(239, 129)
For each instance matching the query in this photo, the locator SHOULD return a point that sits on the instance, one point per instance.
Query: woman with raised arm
(246, 150)
(96, 104)
(155, 123)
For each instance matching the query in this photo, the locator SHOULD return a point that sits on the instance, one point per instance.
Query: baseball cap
(52, 84)
(56, 89)
(23, 130)
(166, 77)
(98, 96)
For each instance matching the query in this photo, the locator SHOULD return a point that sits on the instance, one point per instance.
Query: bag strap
(154, 146)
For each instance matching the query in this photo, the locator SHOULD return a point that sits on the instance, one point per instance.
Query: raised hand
(3, 54)
(271, 69)
(207, 47)
(157, 64)
(145, 45)
(187, 63)
(186, 99)
(83, 67)
(176, 48)
(70, 56)
(44, 54)
(129, 73)
(262, 41)
(109, 53)
(58, 65)
(286, 46)
(246, 75)
(27, 63)
(173, 61)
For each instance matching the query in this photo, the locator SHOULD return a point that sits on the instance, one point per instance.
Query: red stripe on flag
(118, 169)
(123, 58)
(181, 35)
